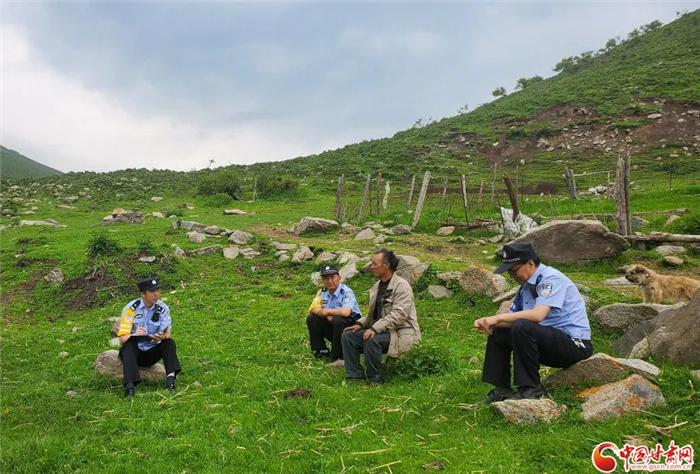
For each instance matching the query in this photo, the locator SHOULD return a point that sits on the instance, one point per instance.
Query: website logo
(641, 458)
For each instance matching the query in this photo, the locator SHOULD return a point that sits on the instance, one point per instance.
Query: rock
(638, 222)
(615, 399)
(673, 261)
(582, 288)
(284, 258)
(114, 342)
(507, 296)
(325, 257)
(438, 465)
(54, 276)
(635, 335)
(315, 225)
(670, 249)
(281, 246)
(240, 237)
(71, 393)
(406, 261)
(157, 215)
(212, 230)
(63, 354)
(249, 253)
(147, 259)
(196, 237)
(349, 271)
(109, 365)
(412, 273)
(156, 199)
(622, 281)
(116, 322)
(231, 252)
(600, 368)
(380, 239)
(575, 241)
(654, 116)
(210, 250)
(366, 234)
(625, 316)
(695, 376)
(304, 253)
(439, 292)
(641, 350)
(447, 230)
(513, 228)
(528, 412)
(671, 219)
(316, 279)
(192, 226)
(234, 212)
(482, 281)
(45, 222)
(496, 238)
(345, 257)
(448, 276)
(177, 251)
(400, 229)
(678, 340)
(71, 199)
(504, 307)
(121, 216)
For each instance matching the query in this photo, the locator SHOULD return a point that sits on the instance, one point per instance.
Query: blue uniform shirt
(554, 289)
(342, 298)
(143, 318)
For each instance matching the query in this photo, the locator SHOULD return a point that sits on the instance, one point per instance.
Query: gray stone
(654, 116)
(316, 279)
(482, 281)
(109, 365)
(380, 240)
(600, 368)
(192, 226)
(147, 259)
(349, 271)
(528, 412)
(673, 261)
(212, 230)
(678, 339)
(695, 376)
(616, 399)
(622, 281)
(234, 212)
(304, 253)
(282, 246)
(400, 229)
(156, 199)
(240, 237)
(71, 393)
(504, 307)
(284, 258)
(210, 250)
(325, 257)
(249, 253)
(45, 222)
(638, 222)
(625, 316)
(177, 251)
(448, 276)
(114, 342)
(632, 337)
(671, 219)
(114, 329)
(641, 350)
(412, 273)
(63, 354)
(576, 241)
(670, 249)
(196, 237)
(447, 230)
(496, 238)
(231, 252)
(366, 234)
(345, 257)
(315, 225)
(439, 292)
(582, 288)
(54, 276)
(507, 296)
(157, 215)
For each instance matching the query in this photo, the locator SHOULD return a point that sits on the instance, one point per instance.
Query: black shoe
(499, 394)
(128, 392)
(529, 393)
(170, 384)
(322, 354)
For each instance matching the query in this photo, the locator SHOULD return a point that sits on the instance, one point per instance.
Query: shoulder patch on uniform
(545, 289)
(346, 299)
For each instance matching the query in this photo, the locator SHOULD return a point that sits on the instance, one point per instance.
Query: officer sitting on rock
(145, 337)
(546, 324)
(333, 309)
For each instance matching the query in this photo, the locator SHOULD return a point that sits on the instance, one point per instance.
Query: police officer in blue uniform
(333, 309)
(145, 336)
(546, 324)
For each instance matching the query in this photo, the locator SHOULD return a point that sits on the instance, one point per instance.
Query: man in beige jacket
(390, 327)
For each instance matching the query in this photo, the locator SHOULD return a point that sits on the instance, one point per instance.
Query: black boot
(170, 384)
(499, 394)
(129, 390)
(527, 393)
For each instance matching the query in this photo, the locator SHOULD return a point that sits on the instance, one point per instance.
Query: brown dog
(661, 287)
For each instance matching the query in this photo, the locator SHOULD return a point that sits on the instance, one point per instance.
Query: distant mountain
(14, 165)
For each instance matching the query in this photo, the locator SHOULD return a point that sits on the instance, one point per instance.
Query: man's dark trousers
(354, 345)
(320, 329)
(132, 358)
(531, 345)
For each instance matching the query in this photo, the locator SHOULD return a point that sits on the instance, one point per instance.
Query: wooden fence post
(571, 182)
(338, 196)
(444, 193)
(342, 213)
(513, 195)
(410, 193)
(421, 199)
(255, 189)
(379, 193)
(387, 190)
(623, 219)
(465, 204)
(365, 195)
(481, 191)
(493, 183)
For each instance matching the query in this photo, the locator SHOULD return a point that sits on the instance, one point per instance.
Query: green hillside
(15, 166)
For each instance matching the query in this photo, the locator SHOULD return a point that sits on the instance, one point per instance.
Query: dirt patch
(21, 291)
(87, 287)
(298, 393)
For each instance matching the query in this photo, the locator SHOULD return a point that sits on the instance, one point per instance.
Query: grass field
(239, 326)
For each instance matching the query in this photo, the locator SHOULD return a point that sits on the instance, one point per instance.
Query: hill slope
(14, 165)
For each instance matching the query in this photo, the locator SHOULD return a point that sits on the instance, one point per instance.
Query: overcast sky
(102, 86)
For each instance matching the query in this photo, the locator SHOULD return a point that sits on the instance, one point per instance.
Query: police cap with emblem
(517, 252)
(329, 270)
(149, 284)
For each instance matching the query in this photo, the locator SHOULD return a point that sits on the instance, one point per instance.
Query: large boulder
(439, 292)
(600, 368)
(413, 273)
(240, 237)
(231, 252)
(400, 229)
(575, 241)
(196, 237)
(304, 253)
(640, 332)
(109, 365)
(625, 316)
(366, 234)
(670, 249)
(482, 281)
(678, 340)
(325, 257)
(528, 412)
(349, 271)
(631, 395)
(315, 225)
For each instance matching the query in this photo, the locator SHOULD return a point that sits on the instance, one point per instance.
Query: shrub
(424, 359)
(218, 200)
(101, 244)
(687, 224)
(145, 247)
(218, 182)
(276, 185)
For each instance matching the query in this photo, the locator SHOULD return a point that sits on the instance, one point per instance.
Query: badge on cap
(153, 282)
(328, 268)
(505, 255)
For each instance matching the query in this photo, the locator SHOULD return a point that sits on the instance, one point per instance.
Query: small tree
(653, 26)
(523, 82)
(463, 109)
(499, 92)
(216, 182)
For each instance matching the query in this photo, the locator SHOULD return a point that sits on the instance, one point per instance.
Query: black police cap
(329, 270)
(149, 284)
(517, 252)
